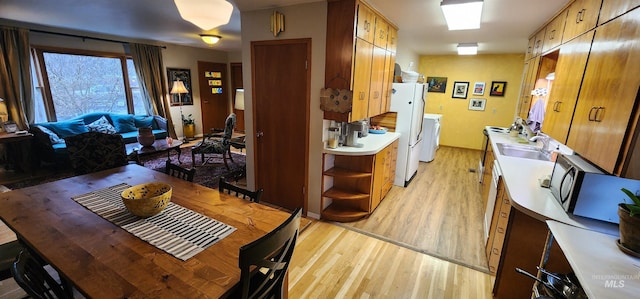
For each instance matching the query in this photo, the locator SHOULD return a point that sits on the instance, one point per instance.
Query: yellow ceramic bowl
(146, 200)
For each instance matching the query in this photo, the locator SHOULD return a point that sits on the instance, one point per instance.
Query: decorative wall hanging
(277, 23)
(437, 84)
(336, 100)
(477, 104)
(478, 88)
(183, 75)
(498, 88)
(460, 90)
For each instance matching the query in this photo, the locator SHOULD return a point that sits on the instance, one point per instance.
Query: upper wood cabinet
(389, 63)
(553, 32)
(536, 43)
(608, 94)
(572, 61)
(529, 77)
(582, 16)
(366, 22)
(356, 57)
(613, 8)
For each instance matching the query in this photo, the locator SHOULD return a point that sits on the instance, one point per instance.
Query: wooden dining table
(103, 260)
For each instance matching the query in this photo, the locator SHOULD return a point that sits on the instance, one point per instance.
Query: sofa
(49, 137)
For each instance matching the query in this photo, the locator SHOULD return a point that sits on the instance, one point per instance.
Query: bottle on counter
(334, 136)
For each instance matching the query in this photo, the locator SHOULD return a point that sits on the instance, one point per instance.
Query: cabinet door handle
(362, 96)
(599, 119)
(553, 34)
(500, 230)
(591, 117)
(556, 106)
(495, 251)
(503, 214)
(580, 15)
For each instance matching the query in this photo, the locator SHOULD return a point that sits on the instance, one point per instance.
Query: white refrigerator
(408, 100)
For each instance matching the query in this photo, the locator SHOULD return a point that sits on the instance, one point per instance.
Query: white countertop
(371, 145)
(602, 269)
(520, 177)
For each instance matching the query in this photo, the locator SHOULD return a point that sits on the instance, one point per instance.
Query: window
(76, 83)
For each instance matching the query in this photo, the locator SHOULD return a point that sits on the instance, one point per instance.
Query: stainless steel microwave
(584, 190)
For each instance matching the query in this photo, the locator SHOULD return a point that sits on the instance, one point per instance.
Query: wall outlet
(495, 110)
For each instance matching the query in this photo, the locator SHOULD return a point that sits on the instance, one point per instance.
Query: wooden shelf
(341, 214)
(338, 194)
(346, 173)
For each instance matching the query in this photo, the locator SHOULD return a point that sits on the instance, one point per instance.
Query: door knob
(259, 134)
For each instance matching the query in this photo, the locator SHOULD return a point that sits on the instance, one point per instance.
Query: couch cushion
(67, 128)
(123, 123)
(101, 125)
(52, 136)
(144, 121)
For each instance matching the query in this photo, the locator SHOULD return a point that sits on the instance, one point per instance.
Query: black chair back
(179, 172)
(31, 276)
(224, 186)
(265, 261)
(8, 253)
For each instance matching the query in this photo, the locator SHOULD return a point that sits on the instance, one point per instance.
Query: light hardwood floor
(440, 213)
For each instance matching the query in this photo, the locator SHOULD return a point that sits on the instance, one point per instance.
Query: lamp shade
(206, 14)
(239, 99)
(462, 14)
(178, 87)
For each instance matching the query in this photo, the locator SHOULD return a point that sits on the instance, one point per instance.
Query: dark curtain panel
(150, 71)
(15, 74)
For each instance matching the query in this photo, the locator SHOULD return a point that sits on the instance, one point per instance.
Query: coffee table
(160, 145)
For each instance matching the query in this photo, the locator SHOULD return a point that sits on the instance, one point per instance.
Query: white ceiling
(506, 24)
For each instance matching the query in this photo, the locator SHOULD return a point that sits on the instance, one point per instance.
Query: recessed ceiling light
(462, 14)
(467, 48)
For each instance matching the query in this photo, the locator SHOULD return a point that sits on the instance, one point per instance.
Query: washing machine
(431, 136)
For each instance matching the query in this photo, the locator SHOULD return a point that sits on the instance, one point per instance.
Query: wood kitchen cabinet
(614, 8)
(553, 32)
(609, 91)
(357, 183)
(536, 43)
(358, 60)
(498, 228)
(569, 70)
(530, 75)
(582, 16)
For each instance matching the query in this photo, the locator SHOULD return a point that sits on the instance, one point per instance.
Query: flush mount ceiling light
(210, 38)
(462, 14)
(206, 14)
(467, 48)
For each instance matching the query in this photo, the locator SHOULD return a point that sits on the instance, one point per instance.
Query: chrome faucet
(544, 138)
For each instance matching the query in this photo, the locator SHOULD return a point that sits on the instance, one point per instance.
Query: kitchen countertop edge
(372, 144)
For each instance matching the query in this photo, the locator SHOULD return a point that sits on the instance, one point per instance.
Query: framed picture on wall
(477, 104)
(460, 90)
(498, 88)
(183, 75)
(478, 88)
(437, 84)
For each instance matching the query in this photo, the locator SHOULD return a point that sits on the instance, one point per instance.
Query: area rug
(206, 175)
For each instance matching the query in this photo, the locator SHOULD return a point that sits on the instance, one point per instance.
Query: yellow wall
(460, 126)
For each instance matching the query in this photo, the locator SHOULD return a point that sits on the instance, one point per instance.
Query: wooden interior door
(281, 92)
(212, 78)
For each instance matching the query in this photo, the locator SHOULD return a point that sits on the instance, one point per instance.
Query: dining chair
(179, 172)
(224, 186)
(211, 144)
(8, 253)
(265, 261)
(94, 151)
(32, 277)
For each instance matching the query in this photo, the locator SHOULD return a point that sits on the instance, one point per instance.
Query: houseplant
(188, 126)
(630, 223)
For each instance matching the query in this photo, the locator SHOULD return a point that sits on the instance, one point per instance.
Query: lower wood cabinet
(355, 185)
(498, 228)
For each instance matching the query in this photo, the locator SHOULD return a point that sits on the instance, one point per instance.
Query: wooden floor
(440, 213)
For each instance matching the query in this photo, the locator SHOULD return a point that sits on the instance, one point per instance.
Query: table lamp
(179, 88)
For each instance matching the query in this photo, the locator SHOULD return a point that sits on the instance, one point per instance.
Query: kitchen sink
(522, 151)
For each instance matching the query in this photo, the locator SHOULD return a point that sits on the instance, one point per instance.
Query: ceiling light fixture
(210, 38)
(462, 14)
(206, 14)
(467, 48)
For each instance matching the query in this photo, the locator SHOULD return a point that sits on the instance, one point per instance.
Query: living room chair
(180, 172)
(224, 186)
(265, 261)
(215, 145)
(32, 277)
(94, 151)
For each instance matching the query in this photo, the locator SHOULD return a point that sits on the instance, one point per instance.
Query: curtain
(150, 71)
(15, 71)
